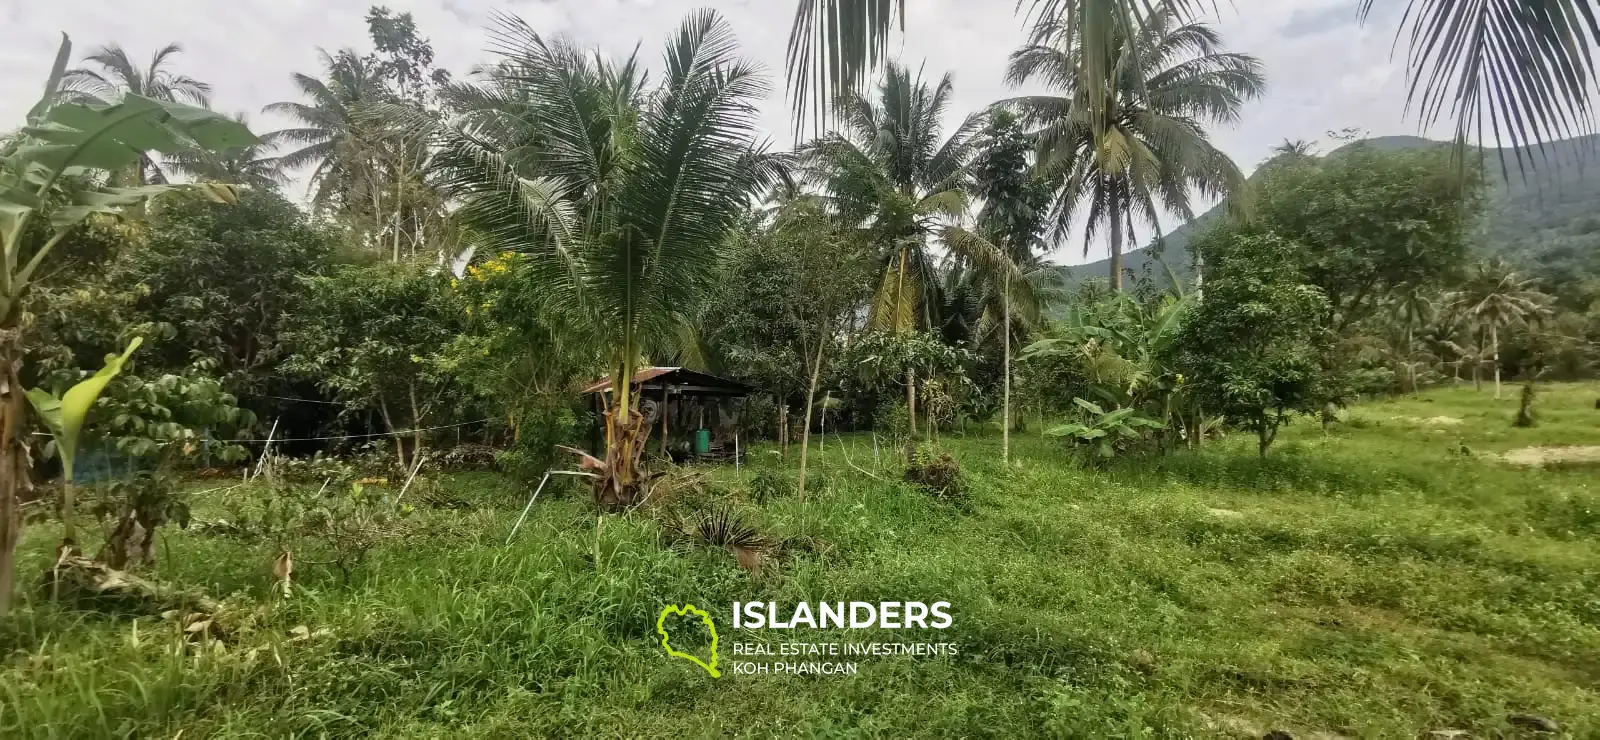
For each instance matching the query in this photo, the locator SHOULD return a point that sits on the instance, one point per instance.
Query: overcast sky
(1324, 71)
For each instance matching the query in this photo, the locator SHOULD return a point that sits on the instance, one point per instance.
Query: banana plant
(64, 415)
(52, 179)
(1105, 430)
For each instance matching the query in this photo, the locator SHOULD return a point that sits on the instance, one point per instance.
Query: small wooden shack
(689, 410)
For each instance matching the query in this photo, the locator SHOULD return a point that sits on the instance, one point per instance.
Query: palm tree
(1140, 149)
(618, 194)
(892, 173)
(113, 75)
(329, 138)
(1295, 148)
(1495, 296)
(1412, 307)
(253, 165)
(1524, 66)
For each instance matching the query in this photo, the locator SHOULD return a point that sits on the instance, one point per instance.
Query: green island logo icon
(689, 610)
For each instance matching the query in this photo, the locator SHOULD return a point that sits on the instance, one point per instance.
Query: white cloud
(1325, 72)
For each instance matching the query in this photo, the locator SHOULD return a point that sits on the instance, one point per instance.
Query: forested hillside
(1544, 213)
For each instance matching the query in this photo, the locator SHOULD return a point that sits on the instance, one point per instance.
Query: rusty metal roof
(678, 376)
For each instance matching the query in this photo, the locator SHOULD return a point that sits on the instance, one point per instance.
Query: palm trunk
(783, 429)
(1411, 367)
(1005, 403)
(811, 396)
(1116, 249)
(1494, 349)
(626, 436)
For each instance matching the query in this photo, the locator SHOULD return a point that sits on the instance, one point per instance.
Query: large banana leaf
(65, 415)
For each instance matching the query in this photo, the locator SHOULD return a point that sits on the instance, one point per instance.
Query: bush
(936, 472)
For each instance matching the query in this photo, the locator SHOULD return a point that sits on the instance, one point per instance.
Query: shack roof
(679, 381)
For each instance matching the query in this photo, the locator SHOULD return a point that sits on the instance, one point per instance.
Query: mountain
(1559, 193)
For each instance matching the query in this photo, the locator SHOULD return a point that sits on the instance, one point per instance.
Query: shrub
(936, 472)
(1525, 416)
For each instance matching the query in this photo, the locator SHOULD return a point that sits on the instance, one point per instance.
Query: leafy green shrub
(1106, 432)
(348, 523)
(892, 419)
(936, 472)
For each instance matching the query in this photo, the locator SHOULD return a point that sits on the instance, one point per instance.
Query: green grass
(1374, 582)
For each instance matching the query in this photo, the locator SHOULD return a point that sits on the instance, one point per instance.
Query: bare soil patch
(1539, 457)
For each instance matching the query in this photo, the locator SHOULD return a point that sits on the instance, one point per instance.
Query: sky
(1325, 71)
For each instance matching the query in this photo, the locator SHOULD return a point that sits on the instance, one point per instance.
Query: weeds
(1366, 584)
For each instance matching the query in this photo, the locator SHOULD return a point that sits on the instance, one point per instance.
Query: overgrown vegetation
(419, 487)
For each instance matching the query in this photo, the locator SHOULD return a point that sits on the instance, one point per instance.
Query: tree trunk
(1264, 435)
(1494, 349)
(1005, 404)
(13, 462)
(811, 397)
(399, 444)
(627, 433)
(911, 400)
(783, 429)
(1116, 250)
(416, 422)
(1411, 367)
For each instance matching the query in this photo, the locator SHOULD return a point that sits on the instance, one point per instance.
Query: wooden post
(664, 452)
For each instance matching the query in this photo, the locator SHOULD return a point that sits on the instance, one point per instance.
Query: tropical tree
(113, 76)
(1012, 218)
(1296, 148)
(254, 166)
(1412, 306)
(1495, 297)
(892, 173)
(618, 196)
(1523, 69)
(1252, 346)
(49, 185)
(328, 138)
(1139, 148)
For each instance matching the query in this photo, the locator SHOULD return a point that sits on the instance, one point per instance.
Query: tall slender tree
(1141, 149)
(1013, 214)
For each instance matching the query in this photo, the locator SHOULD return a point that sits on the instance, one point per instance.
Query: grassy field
(1389, 579)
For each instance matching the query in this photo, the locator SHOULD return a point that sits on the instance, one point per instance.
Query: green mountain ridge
(1558, 189)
